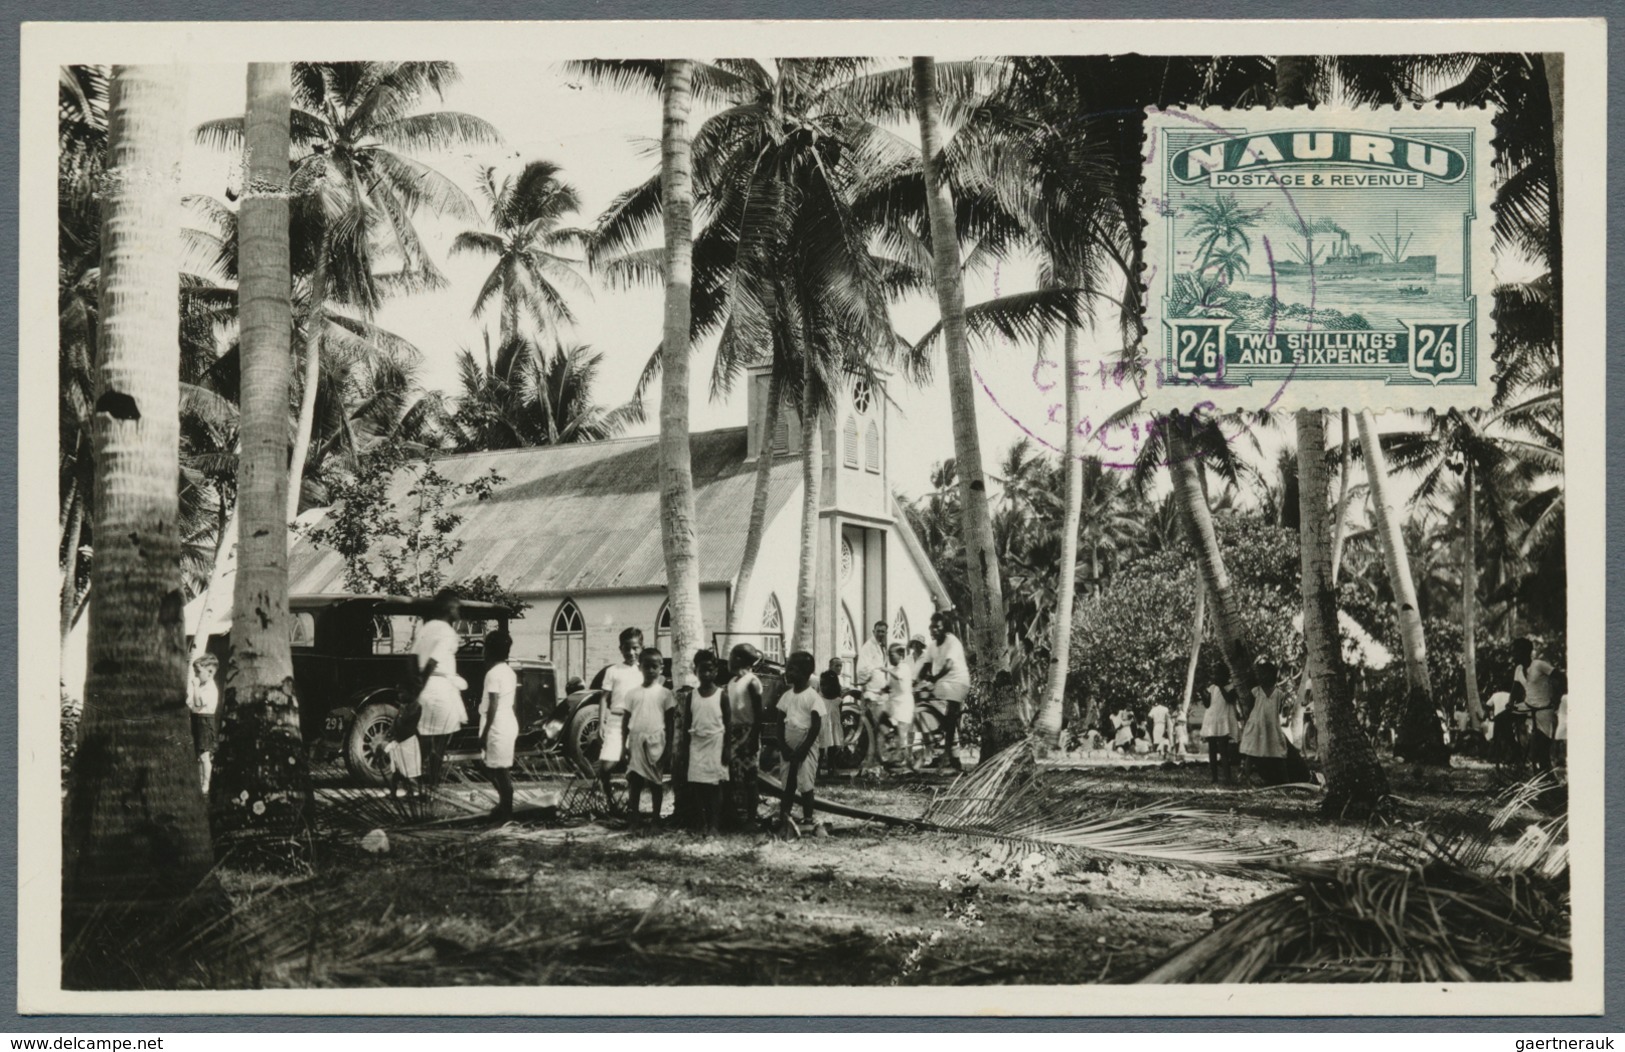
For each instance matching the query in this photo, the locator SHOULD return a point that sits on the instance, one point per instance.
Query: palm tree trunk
(1354, 780)
(313, 376)
(677, 532)
(1002, 721)
(804, 635)
(738, 616)
(261, 751)
(1197, 520)
(1048, 729)
(1198, 622)
(1421, 739)
(71, 535)
(137, 836)
(1340, 527)
(1469, 596)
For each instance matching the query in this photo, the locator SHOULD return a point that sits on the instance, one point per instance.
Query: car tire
(581, 739)
(364, 743)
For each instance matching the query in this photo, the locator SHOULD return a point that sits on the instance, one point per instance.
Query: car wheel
(364, 755)
(581, 740)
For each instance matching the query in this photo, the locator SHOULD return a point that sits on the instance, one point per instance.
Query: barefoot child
(744, 737)
(803, 724)
(649, 710)
(707, 731)
(900, 700)
(499, 721)
(616, 682)
(203, 699)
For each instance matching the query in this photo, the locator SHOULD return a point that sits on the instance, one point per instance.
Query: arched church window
(847, 560)
(773, 630)
(663, 630)
(871, 448)
(862, 396)
(849, 636)
(568, 644)
(899, 628)
(849, 442)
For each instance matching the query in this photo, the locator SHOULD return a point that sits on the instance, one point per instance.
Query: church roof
(586, 517)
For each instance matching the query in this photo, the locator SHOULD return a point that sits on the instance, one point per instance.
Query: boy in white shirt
(616, 682)
(803, 710)
(649, 712)
(203, 700)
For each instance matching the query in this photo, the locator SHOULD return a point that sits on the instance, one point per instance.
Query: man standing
(949, 676)
(1536, 678)
(872, 663)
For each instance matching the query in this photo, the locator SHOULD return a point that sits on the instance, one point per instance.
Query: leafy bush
(1131, 647)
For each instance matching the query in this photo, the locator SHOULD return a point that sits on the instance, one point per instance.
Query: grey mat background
(155, 10)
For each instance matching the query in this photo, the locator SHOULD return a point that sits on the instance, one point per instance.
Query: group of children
(1253, 735)
(709, 736)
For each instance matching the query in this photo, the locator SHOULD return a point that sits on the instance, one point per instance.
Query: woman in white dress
(441, 695)
(499, 722)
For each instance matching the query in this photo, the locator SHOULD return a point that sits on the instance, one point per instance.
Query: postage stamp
(1318, 258)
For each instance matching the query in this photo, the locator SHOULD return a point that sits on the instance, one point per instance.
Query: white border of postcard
(48, 46)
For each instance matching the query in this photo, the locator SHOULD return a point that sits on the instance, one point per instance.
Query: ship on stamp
(1318, 258)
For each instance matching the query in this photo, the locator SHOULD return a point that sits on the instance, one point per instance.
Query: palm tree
(677, 532)
(261, 759)
(527, 213)
(527, 397)
(1221, 221)
(353, 127)
(1003, 724)
(137, 833)
(1355, 781)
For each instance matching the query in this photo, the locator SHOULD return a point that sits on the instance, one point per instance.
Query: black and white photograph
(813, 535)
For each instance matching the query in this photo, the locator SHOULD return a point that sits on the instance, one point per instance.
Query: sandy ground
(870, 904)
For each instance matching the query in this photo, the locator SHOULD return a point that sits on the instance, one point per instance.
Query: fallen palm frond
(1375, 923)
(1424, 903)
(1002, 800)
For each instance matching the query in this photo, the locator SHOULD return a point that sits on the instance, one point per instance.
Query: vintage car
(353, 670)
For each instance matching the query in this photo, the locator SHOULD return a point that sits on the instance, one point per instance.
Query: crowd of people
(707, 738)
(703, 741)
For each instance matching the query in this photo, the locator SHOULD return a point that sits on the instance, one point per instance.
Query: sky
(606, 142)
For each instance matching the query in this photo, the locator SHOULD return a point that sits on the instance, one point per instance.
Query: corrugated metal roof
(577, 518)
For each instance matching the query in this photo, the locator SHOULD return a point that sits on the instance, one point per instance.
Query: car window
(303, 629)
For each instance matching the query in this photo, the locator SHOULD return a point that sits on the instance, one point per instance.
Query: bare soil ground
(869, 905)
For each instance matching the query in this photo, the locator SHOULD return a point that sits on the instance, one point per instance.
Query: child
(831, 688)
(899, 709)
(203, 699)
(744, 735)
(499, 722)
(1159, 729)
(1221, 725)
(803, 726)
(707, 731)
(616, 682)
(404, 752)
(649, 711)
(1264, 747)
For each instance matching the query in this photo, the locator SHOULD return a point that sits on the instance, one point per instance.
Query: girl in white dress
(499, 721)
(707, 731)
(1221, 724)
(744, 739)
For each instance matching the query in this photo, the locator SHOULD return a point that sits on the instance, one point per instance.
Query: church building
(575, 531)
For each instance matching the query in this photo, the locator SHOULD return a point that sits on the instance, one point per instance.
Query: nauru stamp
(1318, 258)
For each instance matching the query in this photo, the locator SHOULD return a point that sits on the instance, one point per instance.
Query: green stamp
(1318, 258)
